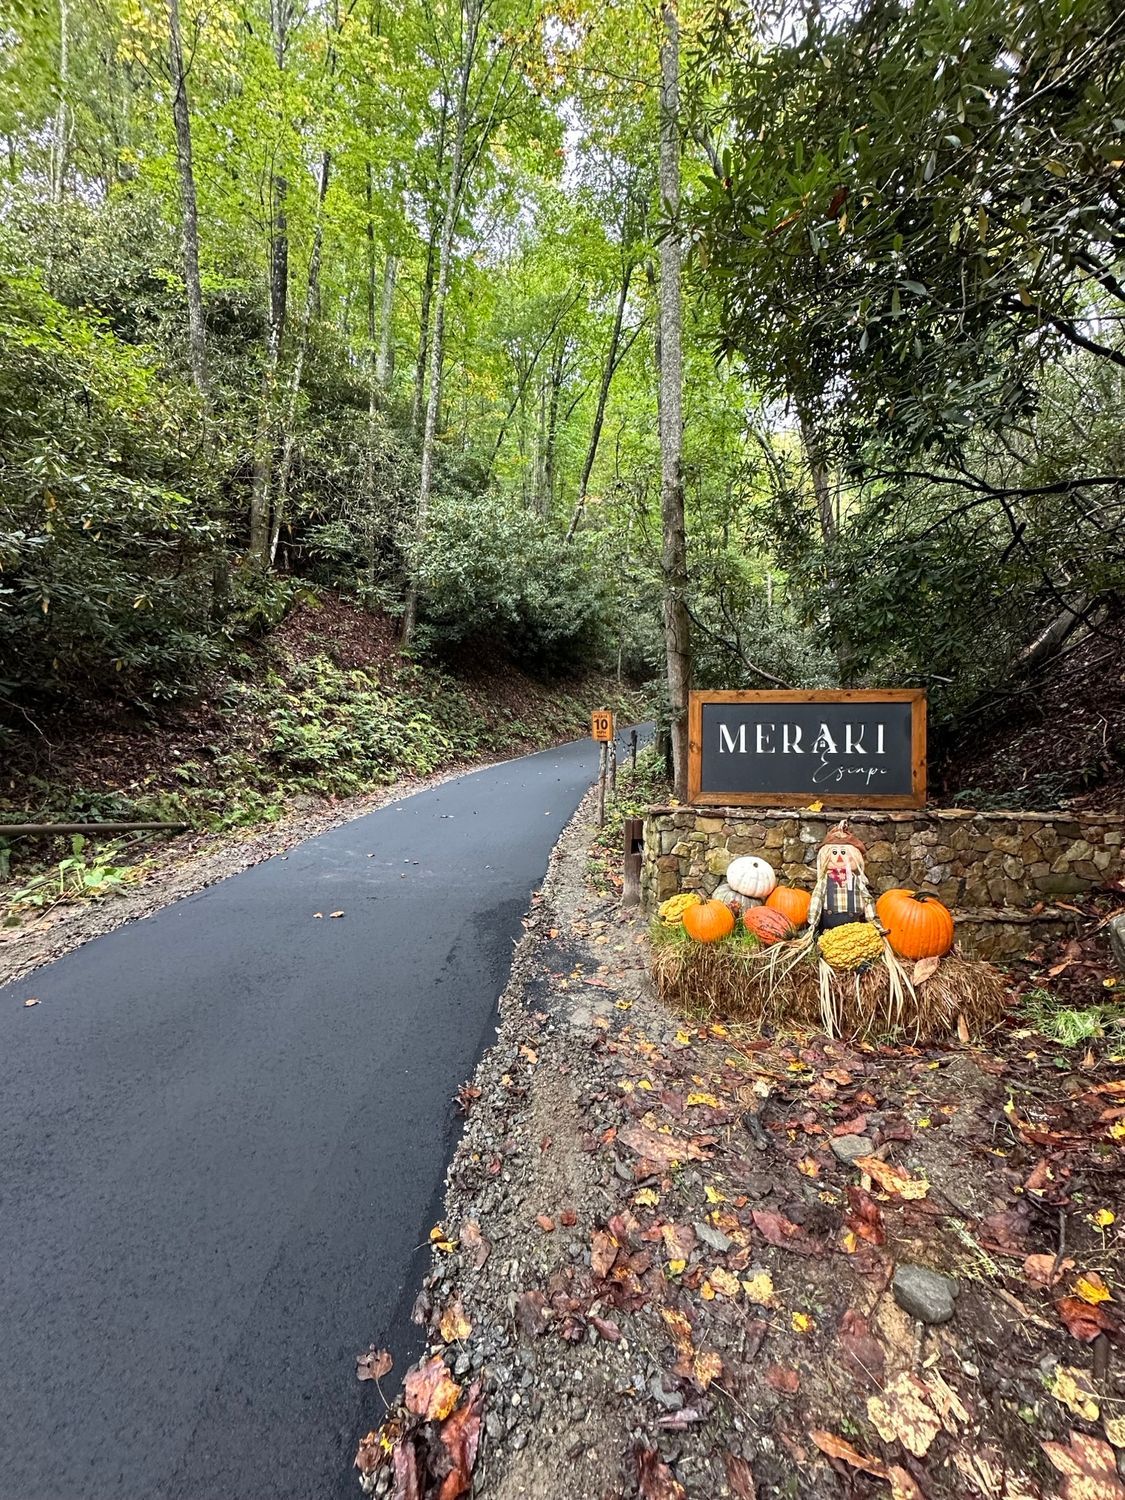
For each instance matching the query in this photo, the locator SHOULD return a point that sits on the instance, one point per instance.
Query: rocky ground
(678, 1259)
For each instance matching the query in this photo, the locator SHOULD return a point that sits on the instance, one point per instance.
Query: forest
(705, 344)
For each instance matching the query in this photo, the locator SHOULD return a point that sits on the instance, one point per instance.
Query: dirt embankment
(681, 1260)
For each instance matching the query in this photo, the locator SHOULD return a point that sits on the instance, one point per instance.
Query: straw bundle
(787, 985)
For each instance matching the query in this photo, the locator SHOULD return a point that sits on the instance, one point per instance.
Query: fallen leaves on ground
(408, 1472)
(1091, 1288)
(662, 1149)
(740, 1477)
(839, 1448)
(1084, 1321)
(894, 1181)
(454, 1325)
(460, 1437)
(655, 1479)
(1088, 1468)
(1046, 1270)
(903, 1413)
(1073, 1388)
(431, 1392)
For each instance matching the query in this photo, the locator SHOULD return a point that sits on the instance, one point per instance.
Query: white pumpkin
(751, 876)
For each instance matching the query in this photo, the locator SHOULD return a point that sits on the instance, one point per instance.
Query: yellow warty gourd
(850, 946)
(672, 910)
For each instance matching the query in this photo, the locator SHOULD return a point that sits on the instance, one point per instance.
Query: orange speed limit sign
(601, 725)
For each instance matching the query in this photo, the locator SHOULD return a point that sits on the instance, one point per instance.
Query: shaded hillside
(325, 706)
(1056, 738)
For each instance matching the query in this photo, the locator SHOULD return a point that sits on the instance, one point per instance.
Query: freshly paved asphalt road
(223, 1136)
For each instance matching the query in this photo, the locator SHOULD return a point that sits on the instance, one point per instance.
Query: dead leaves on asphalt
(373, 1364)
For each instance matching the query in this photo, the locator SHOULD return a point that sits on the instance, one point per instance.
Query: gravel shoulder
(662, 1273)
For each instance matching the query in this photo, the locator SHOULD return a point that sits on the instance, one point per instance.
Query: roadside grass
(1073, 1026)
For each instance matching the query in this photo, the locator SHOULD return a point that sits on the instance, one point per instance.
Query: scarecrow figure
(841, 894)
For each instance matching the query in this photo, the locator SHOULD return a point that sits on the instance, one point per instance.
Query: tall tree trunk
(608, 368)
(312, 298)
(60, 143)
(819, 471)
(385, 358)
(539, 483)
(417, 403)
(523, 377)
(367, 488)
(264, 440)
(197, 338)
(275, 335)
(472, 16)
(677, 623)
(826, 514)
(550, 455)
(181, 118)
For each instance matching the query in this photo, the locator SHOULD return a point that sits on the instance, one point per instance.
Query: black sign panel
(851, 748)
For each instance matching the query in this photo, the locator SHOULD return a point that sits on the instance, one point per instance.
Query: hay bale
(736, 981)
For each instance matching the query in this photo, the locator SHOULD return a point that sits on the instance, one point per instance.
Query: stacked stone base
(1002, 874)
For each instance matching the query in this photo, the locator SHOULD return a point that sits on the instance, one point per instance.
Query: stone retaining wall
(1000, 872)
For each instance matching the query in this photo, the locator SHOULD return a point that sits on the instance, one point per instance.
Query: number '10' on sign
(601, 725)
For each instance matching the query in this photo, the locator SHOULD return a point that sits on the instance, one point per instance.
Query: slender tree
(471, 11)
(181, 119)
(312, 298)
(281, 15)
(613, 356)
(677, 622)
(60, 140)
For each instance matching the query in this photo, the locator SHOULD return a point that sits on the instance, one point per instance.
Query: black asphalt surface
(223, 1136)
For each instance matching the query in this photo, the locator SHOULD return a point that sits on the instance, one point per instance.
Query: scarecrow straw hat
(841, 834)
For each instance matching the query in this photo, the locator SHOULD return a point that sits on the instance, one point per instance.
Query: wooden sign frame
(916, 697)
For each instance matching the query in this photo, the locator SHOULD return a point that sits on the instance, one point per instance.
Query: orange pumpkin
(767, 924)
(708, 922)
(791, 903)
(918, 925)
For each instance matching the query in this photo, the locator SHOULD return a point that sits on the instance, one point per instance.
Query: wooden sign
(601, 725)
(856, 747)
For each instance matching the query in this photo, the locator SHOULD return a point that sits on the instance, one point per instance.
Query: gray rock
(715, 1238)
(924, 1294)
(669, 1400)
(848, 1147)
